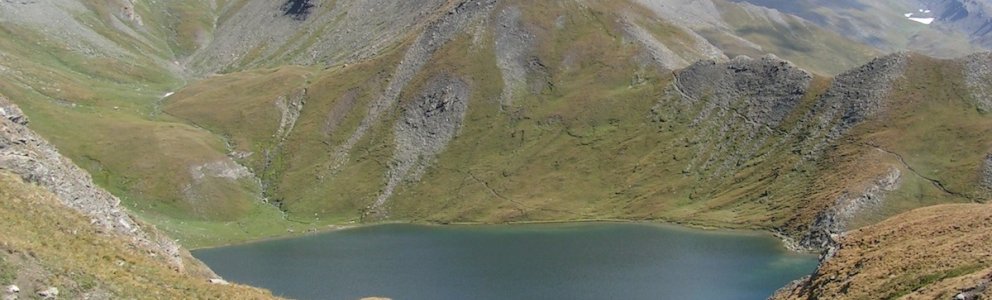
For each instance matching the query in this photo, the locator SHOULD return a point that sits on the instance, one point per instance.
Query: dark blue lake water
(561, 261)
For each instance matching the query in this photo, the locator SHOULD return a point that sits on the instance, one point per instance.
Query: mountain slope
(490, 111)
(939, 252)
(46, 244)
(67, 233)
(887, 24)
(225, 121)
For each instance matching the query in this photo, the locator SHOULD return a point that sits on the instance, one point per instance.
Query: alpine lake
(541, 261)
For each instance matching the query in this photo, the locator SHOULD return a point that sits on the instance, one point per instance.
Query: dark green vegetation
(489, 112)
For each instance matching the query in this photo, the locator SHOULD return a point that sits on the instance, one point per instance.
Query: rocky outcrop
(978, 77)
(49, 293)
(427, 125)
(514, 45)
(435, 36)
(853, 97)
(836, 218)
(762, 91)
(28, 155)
(738, 106)
(128, 12)
(289, 107)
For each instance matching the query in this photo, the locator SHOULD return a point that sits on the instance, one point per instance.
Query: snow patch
(922, 20)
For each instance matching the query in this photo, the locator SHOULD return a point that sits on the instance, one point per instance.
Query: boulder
(49, 293)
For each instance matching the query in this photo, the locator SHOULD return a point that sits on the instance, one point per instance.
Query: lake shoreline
(423, 260)
(787, 242)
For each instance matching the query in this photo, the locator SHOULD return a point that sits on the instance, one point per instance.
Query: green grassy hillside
(219, 131)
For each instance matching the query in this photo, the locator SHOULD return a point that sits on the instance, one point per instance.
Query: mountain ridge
(226, 121)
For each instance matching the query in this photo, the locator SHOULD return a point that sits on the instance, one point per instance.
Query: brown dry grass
(927, 253)
(47, 244)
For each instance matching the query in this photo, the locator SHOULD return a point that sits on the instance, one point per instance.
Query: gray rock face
(49, 293)
(58, 19)
(835, 220)
(28, 155)
(11, 292)
(740, 105)
(427, 125)
(763, 91)
(290, 107)
(978, 77)
(852, 97)
(514, 47)
(435, 36)
(11, 112)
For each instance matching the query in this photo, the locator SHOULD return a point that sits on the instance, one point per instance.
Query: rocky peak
(853, 97)
(763, 90)
(862, 90)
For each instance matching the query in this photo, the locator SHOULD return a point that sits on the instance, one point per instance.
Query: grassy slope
(104, 113)
(47, 244)
(928, 253)
(586, 147)
(934, 126)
